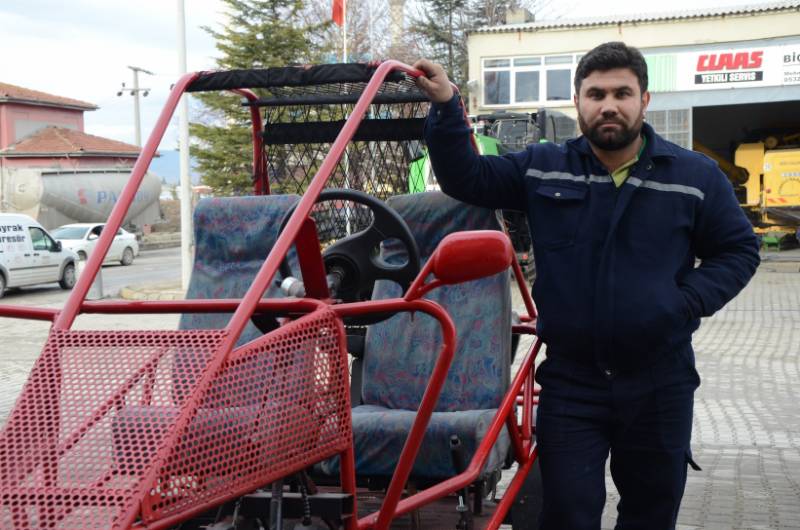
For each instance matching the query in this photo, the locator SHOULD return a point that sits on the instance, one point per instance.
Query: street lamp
(134, 91)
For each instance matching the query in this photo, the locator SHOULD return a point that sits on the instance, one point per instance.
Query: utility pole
(183, 145)
(135, 93)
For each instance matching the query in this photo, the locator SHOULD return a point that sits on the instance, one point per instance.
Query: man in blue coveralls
(618, 217)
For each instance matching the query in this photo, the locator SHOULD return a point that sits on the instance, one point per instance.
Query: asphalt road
(150, 266)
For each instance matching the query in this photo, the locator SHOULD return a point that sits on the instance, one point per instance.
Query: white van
(29, 255)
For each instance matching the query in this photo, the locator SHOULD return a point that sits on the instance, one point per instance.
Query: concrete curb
(160, 245)
(167, 291)
(159, 241)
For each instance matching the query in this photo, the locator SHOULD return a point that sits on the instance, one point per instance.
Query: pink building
(42, 130)
(53, 171)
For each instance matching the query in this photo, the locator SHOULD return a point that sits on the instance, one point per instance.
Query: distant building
(53, 171)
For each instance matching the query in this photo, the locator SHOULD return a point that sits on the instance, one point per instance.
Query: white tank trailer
(58, 197)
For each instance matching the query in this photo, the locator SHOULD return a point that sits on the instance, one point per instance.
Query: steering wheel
(351, 262)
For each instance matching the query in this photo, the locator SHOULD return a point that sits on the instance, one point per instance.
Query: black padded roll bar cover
(289, 76)
(369, 130)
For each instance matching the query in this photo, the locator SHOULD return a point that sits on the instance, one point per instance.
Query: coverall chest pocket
(556, 214)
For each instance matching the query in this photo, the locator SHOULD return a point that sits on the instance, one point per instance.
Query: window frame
(49, 243)
(542, 68)
(668, 132)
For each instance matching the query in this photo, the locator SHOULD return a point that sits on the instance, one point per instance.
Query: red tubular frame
(299, 231)
(388, 511)
(511, 492)
(81, 288)
(225, 305)
(530, 307)
(260, 180)
(29, 313)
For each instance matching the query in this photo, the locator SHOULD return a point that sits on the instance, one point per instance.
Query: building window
(558, 85)
(674, 125)
(526, 85)
(496, 91)
(528, 80)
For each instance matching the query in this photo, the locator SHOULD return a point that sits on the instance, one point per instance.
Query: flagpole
(344, 31)
(346, 161)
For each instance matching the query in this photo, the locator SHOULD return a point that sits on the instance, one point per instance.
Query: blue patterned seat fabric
(233, 236)
(400, 354)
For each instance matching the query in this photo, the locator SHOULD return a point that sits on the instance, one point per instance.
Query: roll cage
(42, 434)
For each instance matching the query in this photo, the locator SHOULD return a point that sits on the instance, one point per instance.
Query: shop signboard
(744, 67)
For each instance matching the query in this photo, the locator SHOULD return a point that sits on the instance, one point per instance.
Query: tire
(67, 280)
(82, 255)
(2, 285)
(127, 256)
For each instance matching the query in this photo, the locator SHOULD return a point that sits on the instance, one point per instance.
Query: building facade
(725, 82)
(716, 76)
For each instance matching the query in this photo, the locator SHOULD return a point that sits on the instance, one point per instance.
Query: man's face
(611, 108)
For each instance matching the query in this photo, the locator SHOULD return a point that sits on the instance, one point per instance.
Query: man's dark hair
(612, 55)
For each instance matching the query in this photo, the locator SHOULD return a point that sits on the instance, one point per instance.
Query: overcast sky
(81, 49)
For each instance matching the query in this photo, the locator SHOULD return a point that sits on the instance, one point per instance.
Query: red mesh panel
(93, 438)
(58, 467)
(280, 404)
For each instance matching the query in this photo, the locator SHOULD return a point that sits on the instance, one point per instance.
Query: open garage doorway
(723, 128)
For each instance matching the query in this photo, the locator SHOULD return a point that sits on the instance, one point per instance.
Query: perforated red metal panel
(92, 443)
(58, 467)
(280, 404)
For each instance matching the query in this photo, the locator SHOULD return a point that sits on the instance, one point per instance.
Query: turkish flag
(338, 12)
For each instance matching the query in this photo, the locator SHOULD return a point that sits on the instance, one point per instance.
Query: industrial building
(719, 78)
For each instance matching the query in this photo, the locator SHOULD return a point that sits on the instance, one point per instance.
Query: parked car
(29, 255)
(81, 238)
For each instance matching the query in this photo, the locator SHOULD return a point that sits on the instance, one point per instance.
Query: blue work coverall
(619, 295)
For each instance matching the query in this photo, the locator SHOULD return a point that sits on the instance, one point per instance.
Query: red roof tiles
(13, 93)
(61, 141)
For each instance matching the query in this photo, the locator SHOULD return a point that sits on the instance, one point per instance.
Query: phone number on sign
(791, 77)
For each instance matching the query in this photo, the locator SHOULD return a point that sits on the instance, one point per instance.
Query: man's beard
(614, 139)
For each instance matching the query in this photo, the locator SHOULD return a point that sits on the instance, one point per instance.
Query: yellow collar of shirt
(622, 171)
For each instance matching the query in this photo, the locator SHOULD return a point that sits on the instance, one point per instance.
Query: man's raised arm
(489, 181)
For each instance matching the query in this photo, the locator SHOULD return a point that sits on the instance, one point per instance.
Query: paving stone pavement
(746, 433)
(746, 426)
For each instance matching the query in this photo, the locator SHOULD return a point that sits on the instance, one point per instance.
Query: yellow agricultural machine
(766, 177)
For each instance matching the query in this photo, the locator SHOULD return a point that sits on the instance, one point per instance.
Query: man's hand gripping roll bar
(433, 81)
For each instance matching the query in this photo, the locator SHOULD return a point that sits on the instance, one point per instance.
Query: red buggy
(343, 356)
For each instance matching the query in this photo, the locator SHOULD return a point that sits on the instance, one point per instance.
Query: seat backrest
(233, 236)
(401, 351)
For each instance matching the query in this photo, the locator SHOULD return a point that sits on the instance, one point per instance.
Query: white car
(81, 238)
